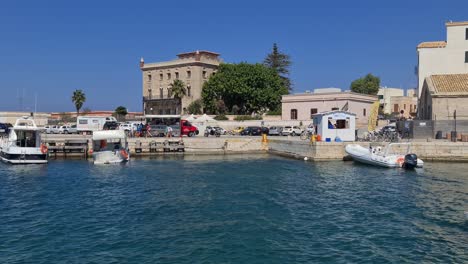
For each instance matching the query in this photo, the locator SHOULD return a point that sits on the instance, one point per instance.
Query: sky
(48, 49)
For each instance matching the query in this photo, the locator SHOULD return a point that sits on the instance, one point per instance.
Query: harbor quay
(73, 146)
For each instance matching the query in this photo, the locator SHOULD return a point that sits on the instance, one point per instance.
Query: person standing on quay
(169, 131)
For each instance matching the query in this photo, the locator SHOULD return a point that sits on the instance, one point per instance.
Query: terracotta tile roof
(450, 83)
(432, 44)
(461, 23)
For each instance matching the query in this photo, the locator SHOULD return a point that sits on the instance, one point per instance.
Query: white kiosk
(335, 125)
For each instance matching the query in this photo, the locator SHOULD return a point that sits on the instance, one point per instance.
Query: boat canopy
(109, 134)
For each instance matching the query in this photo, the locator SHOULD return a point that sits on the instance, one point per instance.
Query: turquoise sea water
(232, 209)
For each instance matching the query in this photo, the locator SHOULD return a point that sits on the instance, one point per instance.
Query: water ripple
(232, 209)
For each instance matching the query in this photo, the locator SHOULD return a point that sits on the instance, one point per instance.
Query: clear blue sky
(51, 48)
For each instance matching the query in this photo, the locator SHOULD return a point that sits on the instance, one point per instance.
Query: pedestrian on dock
(169, 131)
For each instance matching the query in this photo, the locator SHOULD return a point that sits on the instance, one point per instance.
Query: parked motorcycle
(211, 131)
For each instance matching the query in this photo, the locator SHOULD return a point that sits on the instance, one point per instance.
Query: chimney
(142, 62)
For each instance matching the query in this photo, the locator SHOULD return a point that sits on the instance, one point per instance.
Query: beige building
(385, 94)
(444, 57)
(10, 117)
(443, 94)
(193, 68)
(303, 106)
(407, 104)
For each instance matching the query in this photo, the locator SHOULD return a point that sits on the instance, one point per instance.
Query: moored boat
(21, 144)
(110, 146)
(386, 157)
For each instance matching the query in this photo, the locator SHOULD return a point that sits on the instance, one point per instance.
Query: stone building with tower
(192, 68)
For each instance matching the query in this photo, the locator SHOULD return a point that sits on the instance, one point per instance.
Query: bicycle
(306, 135)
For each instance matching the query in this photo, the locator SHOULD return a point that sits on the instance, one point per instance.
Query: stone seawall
(205, 144)
(290, 146)
(428, 151)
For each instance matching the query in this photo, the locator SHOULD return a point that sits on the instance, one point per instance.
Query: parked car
(251, 131)
(125, 127)
(73, 129)
(48, 129)
(53, 130)
(291, 130)
(387, 129)
(221, 130)
(237, 131)
(63, 129)
(275, 131)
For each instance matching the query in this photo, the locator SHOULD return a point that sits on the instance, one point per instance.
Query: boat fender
(400, 161)
(124, 153)
(44, 149)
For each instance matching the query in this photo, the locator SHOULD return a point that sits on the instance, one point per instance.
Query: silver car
(275, 130)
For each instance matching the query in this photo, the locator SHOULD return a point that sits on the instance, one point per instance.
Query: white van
(95, 123)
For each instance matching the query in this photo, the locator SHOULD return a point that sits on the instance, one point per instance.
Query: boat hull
(109, 157)
(366, 156)
(14, 158)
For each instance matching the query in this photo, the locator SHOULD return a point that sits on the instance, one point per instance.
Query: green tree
(121, 112)
(178, 92)
(244, 88)
(195, 107)
(280, 62)
(78, 98)
(368, 84)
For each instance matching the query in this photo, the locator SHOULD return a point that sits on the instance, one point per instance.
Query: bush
(274, 112)
(221, 117)
(195, 107)
(247, 117)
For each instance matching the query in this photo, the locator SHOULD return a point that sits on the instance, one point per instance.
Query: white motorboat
(21, 144)
(110, 146)
(394, 155)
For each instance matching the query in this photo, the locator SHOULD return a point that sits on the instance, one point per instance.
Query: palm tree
(78, 99)
(178, 91)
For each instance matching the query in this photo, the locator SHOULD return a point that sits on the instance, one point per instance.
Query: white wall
(448, 60)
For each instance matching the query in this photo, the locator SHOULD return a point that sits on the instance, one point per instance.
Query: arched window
(161, 93)
(189, 92)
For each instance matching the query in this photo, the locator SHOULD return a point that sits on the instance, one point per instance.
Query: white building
(327, 90)
(444, 57)
(385, 95)
(335, 124)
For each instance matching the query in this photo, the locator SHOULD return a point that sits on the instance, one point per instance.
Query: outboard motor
(411, 161)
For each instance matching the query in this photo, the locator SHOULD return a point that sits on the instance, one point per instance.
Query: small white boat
(394, 155)
(110, 146)
(21, 144)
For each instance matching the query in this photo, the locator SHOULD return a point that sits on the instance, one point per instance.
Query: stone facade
(443, 94)
(303, 106)
(444, 57)
(10, 117)
(193, 68)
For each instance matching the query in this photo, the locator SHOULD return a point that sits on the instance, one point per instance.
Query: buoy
(306, 158)
(44, 149)
(124, 154)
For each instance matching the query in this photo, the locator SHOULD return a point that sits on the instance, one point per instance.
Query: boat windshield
(397, 149)
(26, 138)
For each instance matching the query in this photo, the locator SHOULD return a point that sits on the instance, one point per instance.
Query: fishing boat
(110, 146)
(394, 155)
(21, 144)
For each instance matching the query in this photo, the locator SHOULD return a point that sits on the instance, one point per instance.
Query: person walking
(169, 131)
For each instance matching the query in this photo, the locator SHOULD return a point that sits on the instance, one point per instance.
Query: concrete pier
(79, 145)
